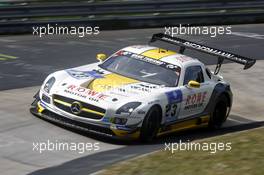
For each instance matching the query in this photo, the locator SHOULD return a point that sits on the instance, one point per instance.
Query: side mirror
(101, 57)
(193, 84)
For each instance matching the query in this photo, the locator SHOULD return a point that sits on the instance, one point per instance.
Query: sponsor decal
(138, 46)
(149, 86)
(207, 49)
(85, 93)
(183, 58)
(144, 87)
(214, 51)
(174, 96)
(171, 66)
(151, 60)
(195, 100)
(119, 53)
(136, 117)
(140, 88)
(84, 74)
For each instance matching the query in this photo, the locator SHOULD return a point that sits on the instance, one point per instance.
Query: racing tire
(219, 114)
(151, 124)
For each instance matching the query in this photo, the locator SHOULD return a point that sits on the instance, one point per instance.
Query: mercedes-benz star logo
(76, 108)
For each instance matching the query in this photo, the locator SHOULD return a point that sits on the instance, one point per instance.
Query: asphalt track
(26, 60)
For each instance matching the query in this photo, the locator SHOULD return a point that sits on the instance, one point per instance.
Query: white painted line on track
(126, 39)
(248, 35)
(7, 40)
(22, 75)
(80, 43)
(100, 41)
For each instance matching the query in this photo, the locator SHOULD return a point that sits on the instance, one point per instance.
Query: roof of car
(168, 56)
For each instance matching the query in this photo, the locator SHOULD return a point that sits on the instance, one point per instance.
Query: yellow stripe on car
(188, 124)
(62, 102)
(158, 53)
(83, 109)
(110, 81)
(126, 134)
(92, 111)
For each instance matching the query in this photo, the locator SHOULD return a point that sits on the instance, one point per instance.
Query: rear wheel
(150, 125)
(219, 114)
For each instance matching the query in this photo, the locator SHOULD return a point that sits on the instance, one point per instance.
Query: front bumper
(107, 130)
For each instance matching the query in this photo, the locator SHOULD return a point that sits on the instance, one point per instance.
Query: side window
(193, 73)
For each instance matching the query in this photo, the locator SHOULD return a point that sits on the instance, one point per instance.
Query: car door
(195, 99)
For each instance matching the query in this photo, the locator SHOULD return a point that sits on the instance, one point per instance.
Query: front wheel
(219, 114)
(150, 125)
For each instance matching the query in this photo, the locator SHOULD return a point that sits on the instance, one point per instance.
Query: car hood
(101, 87)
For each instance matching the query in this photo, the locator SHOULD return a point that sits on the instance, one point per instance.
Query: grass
(245, 158)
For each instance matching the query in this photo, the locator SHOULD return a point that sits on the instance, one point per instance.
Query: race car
(140, 92)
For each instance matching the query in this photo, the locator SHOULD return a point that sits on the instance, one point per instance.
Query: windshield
(142, 68)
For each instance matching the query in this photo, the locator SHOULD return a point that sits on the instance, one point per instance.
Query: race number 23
(171, 110)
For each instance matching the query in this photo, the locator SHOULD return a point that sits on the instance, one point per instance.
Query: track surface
(26, 60)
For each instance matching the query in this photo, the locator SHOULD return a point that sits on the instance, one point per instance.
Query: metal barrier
(21, 16)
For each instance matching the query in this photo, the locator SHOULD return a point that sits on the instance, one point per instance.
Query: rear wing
(247, 62)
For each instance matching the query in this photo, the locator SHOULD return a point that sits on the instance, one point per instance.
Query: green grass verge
(245, 158)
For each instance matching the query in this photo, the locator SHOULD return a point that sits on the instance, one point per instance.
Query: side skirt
(194, 122)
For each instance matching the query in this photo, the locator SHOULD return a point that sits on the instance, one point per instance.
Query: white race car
(140, 92)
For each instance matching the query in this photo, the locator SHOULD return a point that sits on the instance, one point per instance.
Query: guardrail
(21, 16)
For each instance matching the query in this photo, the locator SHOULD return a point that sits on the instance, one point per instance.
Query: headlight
(49, 84)
(128, 108)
